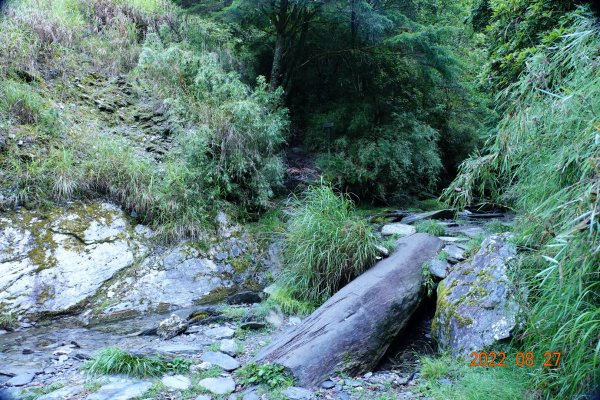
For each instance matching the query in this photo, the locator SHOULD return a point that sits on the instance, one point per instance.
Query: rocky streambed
(87, 277)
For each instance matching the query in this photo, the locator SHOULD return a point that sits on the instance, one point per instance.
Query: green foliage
(283, 297)
(470, 383)
(543, 163)
(227, 135)
(232, 133)
(113, 361)
(403, 154)
(7, 321)
(518, 29)
(272, 375)
(37, 392)
(498, 227)
(325, 246)
(21, 104)
(473, 245)
(430, 226)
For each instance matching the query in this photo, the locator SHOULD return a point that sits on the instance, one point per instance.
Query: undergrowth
(445, 377)
(430, 226)
(271, 375)
(54, 148)
(544, 163)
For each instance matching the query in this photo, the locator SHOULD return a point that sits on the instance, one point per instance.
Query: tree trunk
(277, 67)
(354, 328)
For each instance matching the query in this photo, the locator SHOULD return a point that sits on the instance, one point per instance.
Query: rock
(398, 229)
(298, 393)
(455, 253)
(353, 382)
(171, 327)
(382, 250)
(467, 230)
(203, 366)
(476, 302)
(67, 392)
(438, 268)
(52, 265)
(218, 386)
(122, 389)
(328, 384)
(221, 332)
(438, 214)
(245, 297)
(150, 286)
(453, 239)
(250, 396)
(343, 396)
(252, 325)
(222, 360)
(229, 347)
(352, 330)
(178, 382)
(21, 379)
(179, 348)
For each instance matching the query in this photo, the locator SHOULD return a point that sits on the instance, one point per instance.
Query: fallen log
(352, 330)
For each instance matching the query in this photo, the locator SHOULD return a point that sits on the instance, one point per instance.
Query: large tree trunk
(354, 328)
(277, 67)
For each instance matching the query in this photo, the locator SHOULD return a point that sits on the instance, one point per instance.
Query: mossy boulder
(476, 304)
(53, 262)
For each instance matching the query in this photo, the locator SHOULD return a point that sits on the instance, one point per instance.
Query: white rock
(178, 382)
(398, 228)
(221, 332)
(228, 346)
(218, 385)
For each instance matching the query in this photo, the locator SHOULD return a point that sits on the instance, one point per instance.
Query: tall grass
(325, 245)
(545, 162)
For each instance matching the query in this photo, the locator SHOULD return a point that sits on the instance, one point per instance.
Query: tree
(288, 22)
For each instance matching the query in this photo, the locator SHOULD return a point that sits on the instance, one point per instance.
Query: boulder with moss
(476, 304)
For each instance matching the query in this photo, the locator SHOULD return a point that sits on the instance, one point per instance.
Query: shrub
(430, 226)
(232, 134)
(272, 375)
(325, 245)
(113, 361)
(395, 162)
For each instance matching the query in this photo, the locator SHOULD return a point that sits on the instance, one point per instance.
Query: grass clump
(325, 246)
(470, 383)
(115, 361)
(543, 163)
(271, 375)
(430, 226)
(498, 227)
